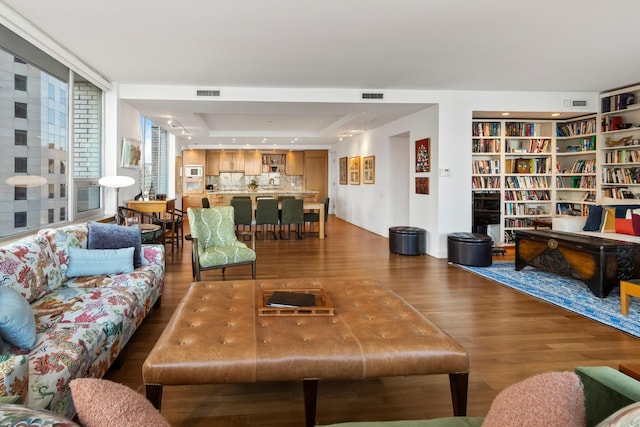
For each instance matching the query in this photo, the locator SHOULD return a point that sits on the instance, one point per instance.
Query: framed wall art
(343, 170)
(369, 170)
(422, 185)
(131, 153)
(354, 170)
(423, 155)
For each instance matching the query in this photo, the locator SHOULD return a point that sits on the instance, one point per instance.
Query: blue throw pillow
(17, 321)
(96, 262)
(594, 219)
(111, 236)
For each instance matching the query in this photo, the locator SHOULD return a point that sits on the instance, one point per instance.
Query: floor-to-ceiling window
(50, 135)
(155, 141)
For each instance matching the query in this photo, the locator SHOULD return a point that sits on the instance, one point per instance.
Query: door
(315, 172)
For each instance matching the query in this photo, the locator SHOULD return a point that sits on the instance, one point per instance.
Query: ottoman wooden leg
(310, 389)
(459, 388)
(154, 395)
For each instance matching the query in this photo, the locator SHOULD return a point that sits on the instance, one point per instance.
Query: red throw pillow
(624, 226)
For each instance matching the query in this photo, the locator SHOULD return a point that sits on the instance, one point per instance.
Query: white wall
(447, 208)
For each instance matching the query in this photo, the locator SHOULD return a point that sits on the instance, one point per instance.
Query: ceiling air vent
(366, 95)
(209, 92)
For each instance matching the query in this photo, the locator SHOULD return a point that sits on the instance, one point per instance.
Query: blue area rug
(570, 294)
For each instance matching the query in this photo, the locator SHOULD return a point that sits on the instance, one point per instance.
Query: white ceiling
(371, 45)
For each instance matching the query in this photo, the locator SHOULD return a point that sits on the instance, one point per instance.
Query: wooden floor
(508, 335)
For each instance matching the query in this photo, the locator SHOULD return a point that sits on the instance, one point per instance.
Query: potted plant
(253, 185)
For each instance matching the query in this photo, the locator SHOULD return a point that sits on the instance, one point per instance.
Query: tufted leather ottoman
(216, 336)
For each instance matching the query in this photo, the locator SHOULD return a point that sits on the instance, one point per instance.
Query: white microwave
(194, 171)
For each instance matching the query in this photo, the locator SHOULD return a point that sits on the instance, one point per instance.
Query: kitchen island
(223, 197)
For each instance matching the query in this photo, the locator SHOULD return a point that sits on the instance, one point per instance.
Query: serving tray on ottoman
(598, 262)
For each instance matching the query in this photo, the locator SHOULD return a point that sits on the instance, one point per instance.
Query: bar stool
(630, 287)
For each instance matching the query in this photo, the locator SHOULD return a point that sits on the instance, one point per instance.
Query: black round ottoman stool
(407, 240)
(469, 249)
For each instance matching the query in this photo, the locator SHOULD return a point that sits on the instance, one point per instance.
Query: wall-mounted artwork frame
(354, 170)
(131, 153)
(343, 171)
(369, 170)
(423, 155)
(422, 185)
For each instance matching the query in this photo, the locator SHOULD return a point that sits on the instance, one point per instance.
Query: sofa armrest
(605, 391)
(14, 376)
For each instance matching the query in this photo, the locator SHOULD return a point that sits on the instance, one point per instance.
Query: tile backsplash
(239, 181)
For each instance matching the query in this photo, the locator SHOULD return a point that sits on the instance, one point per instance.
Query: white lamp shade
(26, 181)
(116, 181)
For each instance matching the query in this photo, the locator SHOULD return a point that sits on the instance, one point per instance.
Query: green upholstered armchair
(214, 241)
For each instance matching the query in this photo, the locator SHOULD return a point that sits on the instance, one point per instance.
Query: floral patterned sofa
(82, 323)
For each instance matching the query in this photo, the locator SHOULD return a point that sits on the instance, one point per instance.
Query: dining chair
(205, 202)
(314, 217)
(267, 216)
(214, 241)
(292, 214)
(242, 213)
(172, 224)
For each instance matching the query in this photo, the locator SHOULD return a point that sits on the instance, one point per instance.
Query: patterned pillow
(625, 417)
(18, 415)
(28, 265)
(550, 399)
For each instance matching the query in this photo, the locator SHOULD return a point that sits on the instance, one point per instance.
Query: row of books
(622, 156)
(619, 193)
(525, 209)
(621, 176)
(518, 222)
(478, 182)
(581, 127)
(577, 209)
(528, 146)
(611, 123)
(526, 182)
(584, 166)
(617, 102)
(486, 166)
(528, 165)
(486, 128)
(577, 182)
(584, 144)
(486, 146)
(523, 129)
(526, 195)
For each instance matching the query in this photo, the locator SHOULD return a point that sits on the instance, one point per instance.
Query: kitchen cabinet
(193, 157)
(253, 163)
(295, 163)
(231, 161)
(212, 166)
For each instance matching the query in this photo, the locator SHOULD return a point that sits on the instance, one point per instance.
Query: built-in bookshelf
(575, 166)
(619, 143)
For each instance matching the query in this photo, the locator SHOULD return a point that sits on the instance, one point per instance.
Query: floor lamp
(117, 182)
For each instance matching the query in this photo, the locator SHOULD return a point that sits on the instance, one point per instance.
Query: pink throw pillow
(101, 402)
(550, 399)
(635, 221)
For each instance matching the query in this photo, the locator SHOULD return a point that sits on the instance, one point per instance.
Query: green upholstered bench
(605, 391)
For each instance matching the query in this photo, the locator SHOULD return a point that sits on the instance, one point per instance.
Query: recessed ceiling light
(555, 114)
(506, 114)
